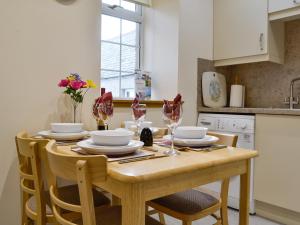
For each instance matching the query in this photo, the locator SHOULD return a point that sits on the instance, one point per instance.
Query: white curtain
(141, 2)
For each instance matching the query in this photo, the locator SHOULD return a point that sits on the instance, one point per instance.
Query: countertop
(271, 111)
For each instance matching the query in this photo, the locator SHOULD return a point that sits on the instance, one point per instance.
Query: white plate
(206, 141)
(63, 136)
(66, 127)
(92, 148)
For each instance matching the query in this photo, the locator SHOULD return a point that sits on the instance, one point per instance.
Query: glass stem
(172, 138)
(138, 127)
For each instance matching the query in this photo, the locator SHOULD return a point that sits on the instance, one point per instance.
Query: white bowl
(131, 125)
(111, 137)
(66, 127)
(146, 124)
(190, 132)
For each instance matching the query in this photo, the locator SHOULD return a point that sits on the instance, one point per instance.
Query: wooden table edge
(140, 179)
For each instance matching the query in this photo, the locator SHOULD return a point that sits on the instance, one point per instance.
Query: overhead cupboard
(248, 31)
(278, 5)
(284, 9)
(243, 34)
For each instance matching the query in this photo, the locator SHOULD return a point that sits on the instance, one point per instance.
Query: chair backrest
(225, 139)
(81, 169)
(30, 153)
(228, 140)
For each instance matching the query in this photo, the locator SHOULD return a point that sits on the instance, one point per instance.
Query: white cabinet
(242, 33)
(278, 5)
(277, 168)
(284, 10)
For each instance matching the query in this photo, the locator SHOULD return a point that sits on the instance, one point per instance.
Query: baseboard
(277, 214)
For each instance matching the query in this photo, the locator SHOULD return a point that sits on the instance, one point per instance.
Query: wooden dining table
(133, 184)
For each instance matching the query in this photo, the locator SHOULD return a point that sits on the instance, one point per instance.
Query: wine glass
(172, 116)
(139, 115)
(102, 112)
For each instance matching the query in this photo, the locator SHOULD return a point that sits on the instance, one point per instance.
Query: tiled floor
(233, 220)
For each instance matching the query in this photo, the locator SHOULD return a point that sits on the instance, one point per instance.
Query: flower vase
(77, 111)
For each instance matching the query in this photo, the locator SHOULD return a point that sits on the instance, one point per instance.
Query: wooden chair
(192, 205)
(36, 204)
(83, 170)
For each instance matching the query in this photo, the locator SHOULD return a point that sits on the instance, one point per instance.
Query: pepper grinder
(147, 137)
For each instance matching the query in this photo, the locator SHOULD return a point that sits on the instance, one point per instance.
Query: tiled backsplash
(267, 84)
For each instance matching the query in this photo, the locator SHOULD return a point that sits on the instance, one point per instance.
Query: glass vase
(77, 112)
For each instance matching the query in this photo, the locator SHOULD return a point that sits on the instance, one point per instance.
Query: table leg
(245, 195)
(133, 206)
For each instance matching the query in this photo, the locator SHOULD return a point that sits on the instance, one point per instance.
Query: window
(120, 46)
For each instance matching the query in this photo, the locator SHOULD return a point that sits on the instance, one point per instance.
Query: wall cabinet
(278, 165)
(284, 9)
(278, 5)
(243, 34)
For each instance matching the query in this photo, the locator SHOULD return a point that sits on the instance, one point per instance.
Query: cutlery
(150, 149)
(207, 149)
(197, 149)
(141, 159)
(168, 146)
(79, 150)
(66, 143)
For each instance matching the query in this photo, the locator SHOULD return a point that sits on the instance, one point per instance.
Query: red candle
(102, 91)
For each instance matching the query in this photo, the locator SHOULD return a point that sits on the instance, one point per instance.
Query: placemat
(137, 154)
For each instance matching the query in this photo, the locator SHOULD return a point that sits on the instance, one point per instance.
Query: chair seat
(113, 216)
(187, 202)
(69, 194)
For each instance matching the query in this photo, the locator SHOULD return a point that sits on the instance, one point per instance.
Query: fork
(141, 159)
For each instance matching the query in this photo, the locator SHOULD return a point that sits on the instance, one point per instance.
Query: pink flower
(75, 84)
(63, 83)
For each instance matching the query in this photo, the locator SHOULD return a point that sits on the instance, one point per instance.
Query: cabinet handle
(261, 41)
(296, 2)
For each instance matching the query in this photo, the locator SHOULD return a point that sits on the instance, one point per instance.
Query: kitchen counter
(270, 111)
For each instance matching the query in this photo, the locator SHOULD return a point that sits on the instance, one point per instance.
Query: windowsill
(126, 103)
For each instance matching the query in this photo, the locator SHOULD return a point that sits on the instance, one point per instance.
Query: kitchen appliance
(244, 127)
(214, 90)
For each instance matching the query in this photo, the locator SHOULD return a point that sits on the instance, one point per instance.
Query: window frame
(137, 17)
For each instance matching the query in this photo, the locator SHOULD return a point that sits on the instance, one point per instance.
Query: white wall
(40, 42)
(161, 47)
(195, 41)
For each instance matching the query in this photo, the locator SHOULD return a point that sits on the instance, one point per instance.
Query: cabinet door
(277, 168)
(240, 28)
(278, 5)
